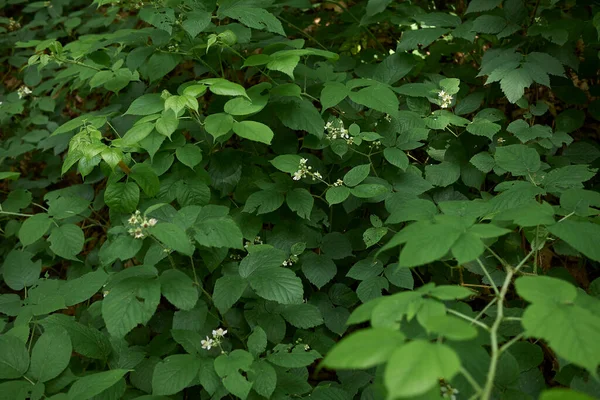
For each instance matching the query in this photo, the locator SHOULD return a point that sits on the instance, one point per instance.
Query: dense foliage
(280, 199)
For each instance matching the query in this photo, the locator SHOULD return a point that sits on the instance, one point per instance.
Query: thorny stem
(491, 375)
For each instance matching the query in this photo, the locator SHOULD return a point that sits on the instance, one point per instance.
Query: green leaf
(543, 289)
(189, 155)
(518, 159)
(337, 194)
(253, 130)
(442, 174)
(483, 162)
(264, 378)
(489, 24)
(303, 315)
(366, 191)
(416, 367)
(81, 289)
(371, 288)
(173, 237)
(224, 87)
(297, 358)
(167, 124)
(161, 18)
(218, 232)
(580, 235)
(378, 97)
(482, 5)
(227, 366)
(122, 197)
(364, 269)
(9, 175)
(67, 241)
(174, 374)
(427, 242)
(357, 174)
(396, 157)
(514, 83)
(301, 202)
(264, 201)
(14, 358)
(19, 271)
(411, 40)
(228, 289)
(364, 349)
(300, 115)
(467, 247)
(318, 269)
(277, 284)
(146, 178)
(195, 22)
(332, 94)
(257, 341)
(563, 394)
(128, 303)
(285, 63)
(51, 354)
(287, 163)
(137, 133)
(252, 17)
(450, 292)
(91, 385)
(377, 6)
(483, 127)
(179, 289)
(219, 124)
(571, 331)
(450, 327)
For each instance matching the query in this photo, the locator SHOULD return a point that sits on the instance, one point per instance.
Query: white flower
(441, 93)
(388, 117)
(306, 347)
(152, 221)
(303, 161)
(138, 235)
(285, 263)
(219, 333)
(317, 175)
(339, 182)
(132, 220)
(207, 344)
(105, 293)
(23, 91)
(297, 175)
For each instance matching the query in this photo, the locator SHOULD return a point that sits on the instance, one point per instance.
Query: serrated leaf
(179, 289)
(174, 374)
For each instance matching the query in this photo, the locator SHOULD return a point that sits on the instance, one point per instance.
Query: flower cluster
(304, 170)
(23, 91)
(338, 132)
(448, 392)
(339, 182)
(138, 224)
(445, 98)
(257, 240)
(217, 336)
(290, 261)
(13, 25)
(375, 145)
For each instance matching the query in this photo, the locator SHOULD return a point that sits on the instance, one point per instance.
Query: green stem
(471, 380)
(488, 276)
(471, 320)
(495, 353)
